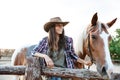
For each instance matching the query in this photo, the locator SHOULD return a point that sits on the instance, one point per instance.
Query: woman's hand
(49, 61)
(88, 63)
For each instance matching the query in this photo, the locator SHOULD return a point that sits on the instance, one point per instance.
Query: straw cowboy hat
(53, 21)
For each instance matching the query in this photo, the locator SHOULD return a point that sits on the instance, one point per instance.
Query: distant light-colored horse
(19, 58)
(93, 41)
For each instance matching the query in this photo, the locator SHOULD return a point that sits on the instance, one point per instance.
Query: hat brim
(49, 24)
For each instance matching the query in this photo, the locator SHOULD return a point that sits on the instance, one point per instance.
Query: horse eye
(94, 37)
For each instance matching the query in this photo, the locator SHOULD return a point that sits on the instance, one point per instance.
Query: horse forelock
(99, 26)
(102, 27)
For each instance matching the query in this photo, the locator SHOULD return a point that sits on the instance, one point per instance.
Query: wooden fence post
(33, 69)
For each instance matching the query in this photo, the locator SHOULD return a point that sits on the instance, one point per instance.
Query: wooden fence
(33, 71)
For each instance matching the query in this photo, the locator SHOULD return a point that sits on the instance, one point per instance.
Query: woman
(57, 49)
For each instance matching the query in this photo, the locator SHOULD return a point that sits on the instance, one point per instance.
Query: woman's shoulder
(68, 39)
(43, 40)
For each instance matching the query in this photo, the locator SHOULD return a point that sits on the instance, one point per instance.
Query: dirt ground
(9, 77)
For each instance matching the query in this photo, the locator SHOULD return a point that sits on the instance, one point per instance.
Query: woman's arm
(40, 49)
(70, 48)
(48, 60)
(39, 55)
(74, 56)
(84, 62)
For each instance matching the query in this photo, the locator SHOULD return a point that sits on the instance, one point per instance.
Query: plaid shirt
(70, 55)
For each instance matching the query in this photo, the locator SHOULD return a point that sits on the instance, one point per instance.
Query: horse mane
(80, 39)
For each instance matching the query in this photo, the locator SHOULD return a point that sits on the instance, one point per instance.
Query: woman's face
(59, 28)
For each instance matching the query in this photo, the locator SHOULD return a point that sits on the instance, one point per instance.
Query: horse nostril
(104, 71)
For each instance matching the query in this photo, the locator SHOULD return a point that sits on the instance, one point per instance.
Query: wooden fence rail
(61, 72)
(32, 71)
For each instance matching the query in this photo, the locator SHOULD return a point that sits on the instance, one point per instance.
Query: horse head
(95, 44)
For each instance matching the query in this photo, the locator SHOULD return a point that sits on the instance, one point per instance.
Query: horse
(19, 58)
(94, 43)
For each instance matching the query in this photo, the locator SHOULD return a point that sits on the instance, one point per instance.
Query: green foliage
(115, 46)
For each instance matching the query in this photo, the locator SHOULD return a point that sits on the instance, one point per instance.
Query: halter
(90, 52)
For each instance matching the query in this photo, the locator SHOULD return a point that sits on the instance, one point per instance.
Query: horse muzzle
(105, 71)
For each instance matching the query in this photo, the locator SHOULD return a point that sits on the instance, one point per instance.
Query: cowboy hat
(52, 21)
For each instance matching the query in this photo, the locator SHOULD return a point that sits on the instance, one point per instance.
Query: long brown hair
(52, 40)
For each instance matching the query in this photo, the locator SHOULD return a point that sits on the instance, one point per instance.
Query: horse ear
(94, 19)
(111, 22)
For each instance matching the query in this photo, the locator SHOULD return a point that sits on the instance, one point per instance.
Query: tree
(115, 46)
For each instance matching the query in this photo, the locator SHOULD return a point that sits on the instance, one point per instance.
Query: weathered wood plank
(61, 72)
(71, 73)
(33, 70)
(12, 70)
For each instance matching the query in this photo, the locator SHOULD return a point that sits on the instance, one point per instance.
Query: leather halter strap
(90, 52)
